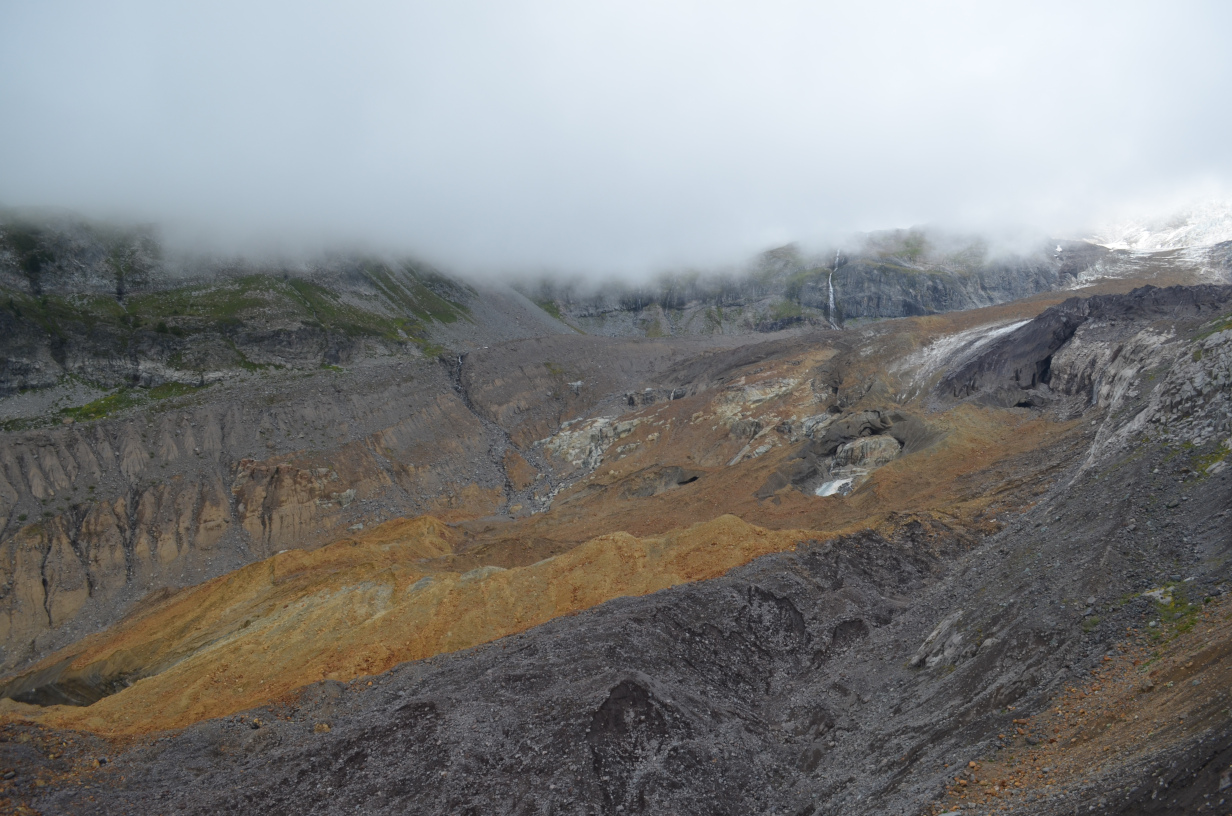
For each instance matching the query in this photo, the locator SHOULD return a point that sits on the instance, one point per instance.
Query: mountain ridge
(823, 563)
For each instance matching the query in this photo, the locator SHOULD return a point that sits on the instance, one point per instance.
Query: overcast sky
(612, 137)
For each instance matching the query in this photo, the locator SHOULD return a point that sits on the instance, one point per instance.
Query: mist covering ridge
(127, 279)
(1196, 225)
(616, 139)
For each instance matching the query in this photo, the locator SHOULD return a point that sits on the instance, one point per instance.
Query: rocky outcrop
(867, 452)
(1016, 369)
(845, 449)
(1191, 408)
(580, 445)
(944, 645)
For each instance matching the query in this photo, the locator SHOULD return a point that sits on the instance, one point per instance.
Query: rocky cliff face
(1121, 337)
(95, 307)
(895, 274)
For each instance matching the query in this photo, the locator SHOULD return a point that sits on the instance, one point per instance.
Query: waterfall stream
(832, 271)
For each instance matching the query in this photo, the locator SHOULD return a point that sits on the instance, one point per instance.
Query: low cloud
(603, 139)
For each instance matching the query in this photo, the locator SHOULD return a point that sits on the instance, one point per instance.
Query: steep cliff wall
(897, 274)
(107, 308)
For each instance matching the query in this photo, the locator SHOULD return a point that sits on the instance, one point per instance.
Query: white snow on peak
(1198, 225)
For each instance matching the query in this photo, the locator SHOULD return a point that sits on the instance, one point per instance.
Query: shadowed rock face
(1016, 369)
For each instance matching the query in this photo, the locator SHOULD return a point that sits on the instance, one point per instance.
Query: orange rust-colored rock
(361, 606)
(521, 474)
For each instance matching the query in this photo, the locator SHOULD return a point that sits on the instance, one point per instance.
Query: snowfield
(1199, 225)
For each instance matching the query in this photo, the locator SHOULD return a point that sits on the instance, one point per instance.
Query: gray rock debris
(943, 644)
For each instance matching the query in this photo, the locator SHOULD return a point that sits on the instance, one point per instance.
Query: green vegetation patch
(224, 302)
(551, 308)
(785, 310)
(1175, 611)
(1201, 463)
(910, 245)
(128, 398)
(173, 389)
(104, 406)
(417, 292)
(325, 309)
(55, 314)
(408, 301)
(1215, 327)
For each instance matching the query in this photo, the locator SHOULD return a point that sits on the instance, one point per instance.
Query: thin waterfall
(832, 271)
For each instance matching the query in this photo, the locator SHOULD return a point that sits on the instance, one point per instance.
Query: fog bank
(608, 138)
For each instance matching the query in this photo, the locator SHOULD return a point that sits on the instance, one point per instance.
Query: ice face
(832, 487)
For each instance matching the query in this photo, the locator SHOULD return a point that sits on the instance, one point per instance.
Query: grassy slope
(404, 303)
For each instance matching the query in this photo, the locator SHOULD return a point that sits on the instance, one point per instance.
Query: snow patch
(834, 486)
(1198, 225)
(954, 350)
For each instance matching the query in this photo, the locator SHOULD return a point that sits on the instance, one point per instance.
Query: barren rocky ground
(472, 560)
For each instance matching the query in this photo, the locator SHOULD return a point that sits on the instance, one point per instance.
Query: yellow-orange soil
(360, 607)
